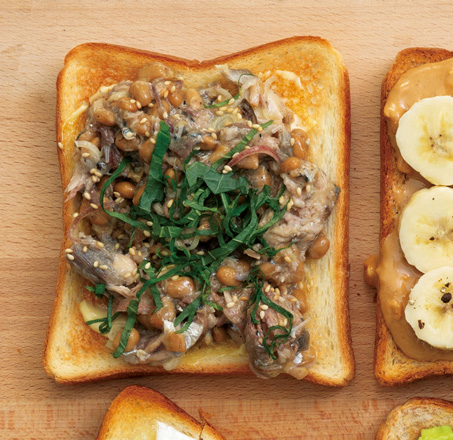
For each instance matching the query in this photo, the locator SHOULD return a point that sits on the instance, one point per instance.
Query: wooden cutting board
(34, 38)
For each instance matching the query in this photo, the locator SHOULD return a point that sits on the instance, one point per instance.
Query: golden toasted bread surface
(73, 352)
(392, 366)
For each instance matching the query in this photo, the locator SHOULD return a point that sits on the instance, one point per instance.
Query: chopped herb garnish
(106, 323)
(98, 290)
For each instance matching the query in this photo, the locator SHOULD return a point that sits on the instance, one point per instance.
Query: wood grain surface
(34, 38)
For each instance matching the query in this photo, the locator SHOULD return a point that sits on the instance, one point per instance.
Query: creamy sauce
(390, 272)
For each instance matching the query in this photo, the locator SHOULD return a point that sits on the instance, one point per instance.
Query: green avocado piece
(437, 433)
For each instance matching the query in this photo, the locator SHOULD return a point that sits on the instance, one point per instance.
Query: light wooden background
(34, 37)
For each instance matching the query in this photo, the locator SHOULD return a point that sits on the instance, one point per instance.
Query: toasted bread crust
(91, 65)
(392, 367)
(405, 421)
(139, 406)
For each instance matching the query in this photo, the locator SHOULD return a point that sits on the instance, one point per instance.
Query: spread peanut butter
(426, 81)
(390, 272)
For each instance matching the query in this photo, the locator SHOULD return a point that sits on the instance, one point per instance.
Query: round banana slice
(425, 138)
(430, 308)
(426, 228)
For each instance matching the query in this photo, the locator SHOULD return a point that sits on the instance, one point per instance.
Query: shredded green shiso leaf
(229, 203)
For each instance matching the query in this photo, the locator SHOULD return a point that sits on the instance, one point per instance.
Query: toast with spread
(205, 214)
(140, 412)
(414, 313)
(407, 421)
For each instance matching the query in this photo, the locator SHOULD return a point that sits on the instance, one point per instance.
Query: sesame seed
(85, 155)
(94, 179)
(85, 249)
(227, 168)
(119, 200)
(132, 101)
(165, 93)
(170, 203)
(100, 244)
(243, 298)
(167, 83)
(256, 126)
(219, 98)
(287, 259)
(76, 214)
(267, 288)
(117, 246)
(147, 234)
(224, 172)
(276, 297)
(165, 253)
(235, 298)
(277, 290)
(96, 263)
(281, 200)
(165, 115)
(281, 299)
(98, 173)
(229, 110)
(93, 170)
(149, 223)
(138, 104)
(70, 257)
(249, 123)
(212, 129)
(60, 145)
(152, 140)
(94, 206)
(292, 142)
(411, 302)
(308, 188)
(143, 120)
(147, 265)
(293, 300)
(231, 101)
(299, 191)
(69, 251)
(260, 129)
(262, 313)
(200, 253)
(239, 116)
(230, 304)
(127, 275)
(175, 277)
(235, 154)
(173, 88)
(285, 322)
(151, 104)
(116, 194)
(147, 134)
(214, 136)
(219, 113)
(87, 195)
(132, 251)
(247, 147)
(236, 110)
(222, 109)
(140, 254)
(103, 267)
(264, 306)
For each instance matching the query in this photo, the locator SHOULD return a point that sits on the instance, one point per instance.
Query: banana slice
(426, 228)
(425, 138)
(430, 308)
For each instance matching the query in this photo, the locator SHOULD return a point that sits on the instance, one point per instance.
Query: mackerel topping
(194, 219)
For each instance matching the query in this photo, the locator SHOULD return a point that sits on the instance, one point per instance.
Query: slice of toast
(405, 422)
(392, 366)
(73, 352)
(136, 410)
